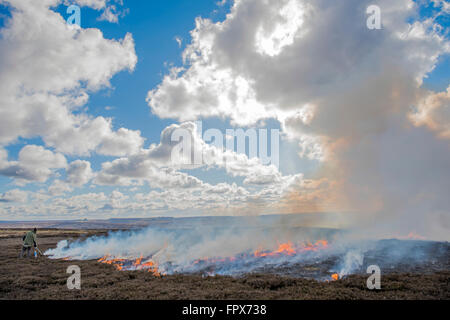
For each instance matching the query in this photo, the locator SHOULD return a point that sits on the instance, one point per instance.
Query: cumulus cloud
(443, 4)
(433, 111)
(112, 13)
(14, 195)
(344, 92)
(48, 70)
(160, 162)
(229, 75)
(79, 204)
(95, 4)
(160, 166)
(79, 173)
(59, 188)
(35, 164)
(111, 10)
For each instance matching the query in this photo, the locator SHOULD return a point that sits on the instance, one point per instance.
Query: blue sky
(308, 150)
(150, 22)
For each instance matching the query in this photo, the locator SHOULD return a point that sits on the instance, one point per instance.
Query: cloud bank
(348, 97)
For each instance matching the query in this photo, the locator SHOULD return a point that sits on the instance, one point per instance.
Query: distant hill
(267, 221)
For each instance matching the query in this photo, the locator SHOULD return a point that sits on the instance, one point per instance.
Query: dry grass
(46, 279)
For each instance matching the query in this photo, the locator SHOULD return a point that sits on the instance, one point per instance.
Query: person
(29, 241)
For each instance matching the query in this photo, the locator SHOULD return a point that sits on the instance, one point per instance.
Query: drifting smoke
(393, 175)
(176, 249)
(242, 248)
(352, 98)
(382, 137)
(353, 260)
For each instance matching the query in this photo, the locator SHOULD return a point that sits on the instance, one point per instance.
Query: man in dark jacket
(29, 241)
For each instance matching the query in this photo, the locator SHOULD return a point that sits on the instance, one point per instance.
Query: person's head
(35, 230)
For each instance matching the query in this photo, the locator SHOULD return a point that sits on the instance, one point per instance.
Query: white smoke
(178, 249)
(353, 260)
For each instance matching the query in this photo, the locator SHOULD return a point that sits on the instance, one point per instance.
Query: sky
(87, 113)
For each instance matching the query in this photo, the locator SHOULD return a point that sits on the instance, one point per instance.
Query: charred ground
(43, 278)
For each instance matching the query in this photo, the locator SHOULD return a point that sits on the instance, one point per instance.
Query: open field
(43, 278)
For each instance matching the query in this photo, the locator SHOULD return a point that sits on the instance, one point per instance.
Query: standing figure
(29, 241)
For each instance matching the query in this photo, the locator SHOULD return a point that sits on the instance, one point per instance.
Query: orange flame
(138, 261)
(284, 248)
(117, 263)
(415, 236)
(288, 249)
(124, 264)
(335, 276)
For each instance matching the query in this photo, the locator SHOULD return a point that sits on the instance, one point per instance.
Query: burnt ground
(43, 278)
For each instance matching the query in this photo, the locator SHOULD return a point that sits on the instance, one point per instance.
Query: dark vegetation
(43, 278)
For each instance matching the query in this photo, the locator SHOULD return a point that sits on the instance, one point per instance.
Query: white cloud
(94, 4)
(79, 204)
(280, 31)
(158, 164)
(59, 188)
(443, 4)
(35, 164)
(48, 69)
(79, 173)
(433, 111)
(112, 14)
(14, 195)
(179, 41)
(343, 91)
(110, 8)
(330, 53)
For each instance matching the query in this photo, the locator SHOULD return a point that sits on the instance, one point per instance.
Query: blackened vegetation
(392, 256)
(46, 279)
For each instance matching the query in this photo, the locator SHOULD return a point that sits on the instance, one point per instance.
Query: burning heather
(138, 264)
(321, 254)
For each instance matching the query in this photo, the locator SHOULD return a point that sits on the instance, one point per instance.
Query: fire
(138, 261)
(284, 248)
(323, 243)
(288, 249)
(335, 276)
(415, 236)
(137, 264)
(149, 265)
(320, 244)
(118, 263)
(411, 236)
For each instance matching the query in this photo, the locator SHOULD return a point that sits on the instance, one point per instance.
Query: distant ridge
(265, 221)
